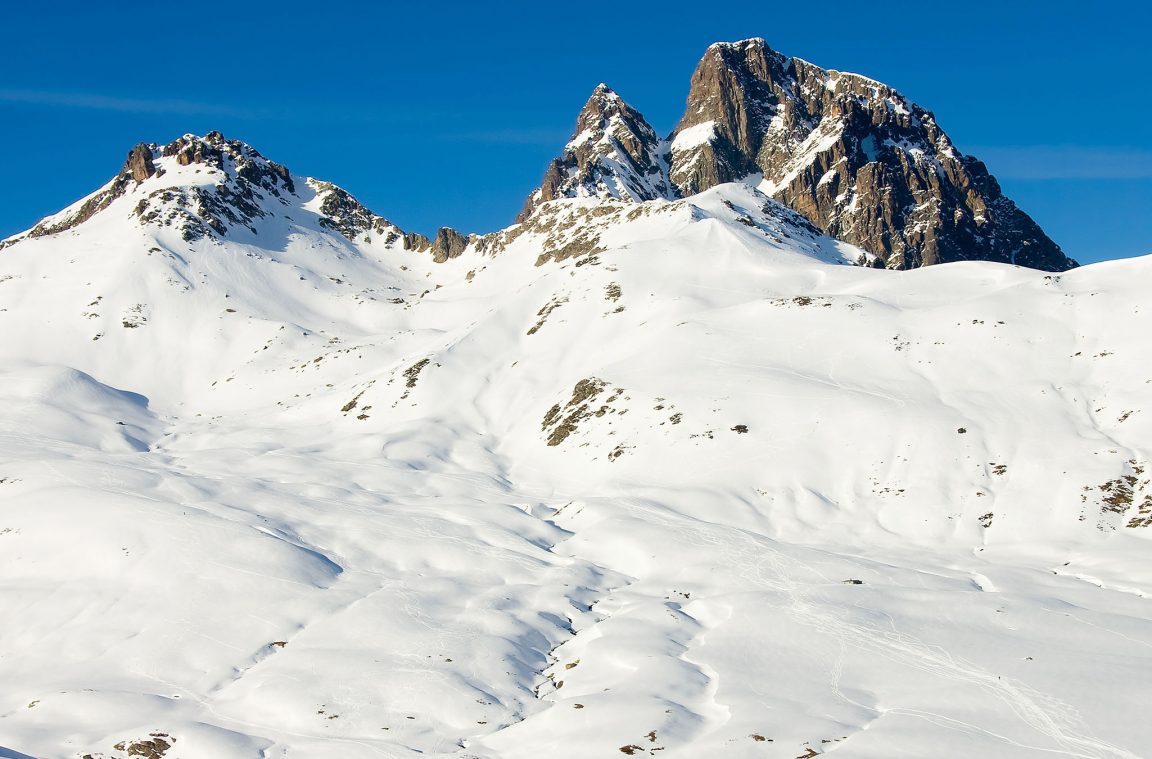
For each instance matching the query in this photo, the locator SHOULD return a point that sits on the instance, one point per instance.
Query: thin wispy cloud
(1043, 162)
(90, 101)
(297, 112)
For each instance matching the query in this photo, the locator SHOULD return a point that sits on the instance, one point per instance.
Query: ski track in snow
(769, 569)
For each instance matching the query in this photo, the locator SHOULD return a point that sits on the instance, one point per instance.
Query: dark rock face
(730, 106)
(854, 156)
(613, 153)
(139, 164)
(448, 244)
(138, 167)
(247, 182)
(342, 212)
(98, 202)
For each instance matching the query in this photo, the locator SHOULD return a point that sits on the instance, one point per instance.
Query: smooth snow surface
(701, 134)
(286, 495)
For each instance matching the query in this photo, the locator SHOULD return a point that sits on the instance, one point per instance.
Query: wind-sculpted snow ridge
(674, 478)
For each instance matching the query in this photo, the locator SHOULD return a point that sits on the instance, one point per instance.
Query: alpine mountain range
(853, 156)
(786, 434)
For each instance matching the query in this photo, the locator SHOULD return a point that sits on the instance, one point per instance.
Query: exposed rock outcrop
(235, 186)
(448, 244)
(215, 151)
(854, 157)
(344, 214)
(139, 164)
(138, 167)
(246, 183)
(730, 107)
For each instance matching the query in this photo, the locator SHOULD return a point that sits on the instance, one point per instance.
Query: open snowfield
(698, 487)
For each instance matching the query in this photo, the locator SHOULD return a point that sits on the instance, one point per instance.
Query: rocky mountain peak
(237, 159)
(613, 154)
(212, 187)
(854, 156)
(605, 105)
(216, 188)
(207, 186)
(734, 92)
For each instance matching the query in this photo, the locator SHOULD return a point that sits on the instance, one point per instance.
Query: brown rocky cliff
(733, 89)
(854, 156)
(139, 164)
(448, 244)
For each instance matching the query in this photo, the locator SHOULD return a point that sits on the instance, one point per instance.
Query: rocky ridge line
(854, 156)
(247, 187)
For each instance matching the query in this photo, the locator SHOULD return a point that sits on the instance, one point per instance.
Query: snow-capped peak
(214, 188)
(613, 154)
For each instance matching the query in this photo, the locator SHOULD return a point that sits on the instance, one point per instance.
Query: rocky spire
(854, 156)
(613, 153)
(139, 164)
(733, 95)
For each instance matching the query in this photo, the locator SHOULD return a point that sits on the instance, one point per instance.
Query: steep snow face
(671, 477)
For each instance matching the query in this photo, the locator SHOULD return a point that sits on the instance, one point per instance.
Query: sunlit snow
(284, 494)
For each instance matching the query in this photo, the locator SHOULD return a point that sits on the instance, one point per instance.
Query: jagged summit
(201, 187)
(215, 188)
(854, 156)
(728, 113)
(614, 153)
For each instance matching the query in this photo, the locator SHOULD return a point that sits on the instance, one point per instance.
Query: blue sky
(447, 114)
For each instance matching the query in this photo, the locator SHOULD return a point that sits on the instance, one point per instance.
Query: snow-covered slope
(671, 478)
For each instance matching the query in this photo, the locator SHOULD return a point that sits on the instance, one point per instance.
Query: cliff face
(854, 156)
